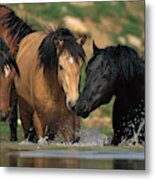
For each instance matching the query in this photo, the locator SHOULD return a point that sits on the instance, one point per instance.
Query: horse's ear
(82, 40)
(58, 43)
(95, 48)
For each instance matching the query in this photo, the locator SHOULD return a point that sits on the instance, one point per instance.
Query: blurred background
(107, 23)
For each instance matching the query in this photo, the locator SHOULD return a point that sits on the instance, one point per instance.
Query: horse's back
(27, 60)
(30, 44)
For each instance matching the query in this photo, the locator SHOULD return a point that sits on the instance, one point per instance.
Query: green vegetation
(83, 77)
(5, 132)
(36, 24)
(102, 9)
(118, 11)
(107, 108)
(106, 131)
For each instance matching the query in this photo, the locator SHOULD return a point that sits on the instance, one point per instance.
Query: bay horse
(48, 86)
(8, 70)
(119, 71)
(12, 30)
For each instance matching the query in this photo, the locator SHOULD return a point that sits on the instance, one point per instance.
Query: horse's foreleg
(13, 122)
(40, 128)
(119, 111)
(116, 122)
(76, 128)
(13, 116)
(27, 121)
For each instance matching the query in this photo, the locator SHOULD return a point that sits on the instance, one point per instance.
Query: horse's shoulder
(37, 34)
(33, 37)
(32, 40)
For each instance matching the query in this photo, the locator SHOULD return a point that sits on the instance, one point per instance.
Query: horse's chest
(52, 109)
(49, 101)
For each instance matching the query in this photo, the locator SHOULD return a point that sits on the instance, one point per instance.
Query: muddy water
(67, 156)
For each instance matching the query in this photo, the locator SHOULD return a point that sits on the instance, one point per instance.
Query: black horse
(117, 71)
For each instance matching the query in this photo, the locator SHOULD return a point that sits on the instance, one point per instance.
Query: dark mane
(47, 49)
(127, 60)
(18, 28)
(6, 58)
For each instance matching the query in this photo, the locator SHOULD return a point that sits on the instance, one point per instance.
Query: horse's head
(8, 70)
(67, 57)
(99, 83)
(70, 63)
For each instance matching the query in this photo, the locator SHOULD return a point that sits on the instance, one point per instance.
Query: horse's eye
(60, 67)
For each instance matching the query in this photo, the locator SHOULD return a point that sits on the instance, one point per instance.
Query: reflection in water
(129, 164)
(82, 163)
(13, 159)
(88, 154)
(49, 162)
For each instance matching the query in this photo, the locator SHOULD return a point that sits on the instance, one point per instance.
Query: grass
(55, 11)
(131, 28)
(97, 11)
(118, 11)
(5, 132)
(35, 23)
(108, 9)
(83, 77)
(129, 22)
(106, 131)
(107, 108)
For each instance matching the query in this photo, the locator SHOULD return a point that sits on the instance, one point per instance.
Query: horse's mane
(18, 29)
(127, 61)
(6, 57)
(48, 51)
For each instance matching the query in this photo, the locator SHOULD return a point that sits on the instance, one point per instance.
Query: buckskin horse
(12, 30)
(48, 87)
(8, 70)
(116, 71)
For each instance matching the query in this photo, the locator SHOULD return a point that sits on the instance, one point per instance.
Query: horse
(12, 30)
(8, 70)
(48, 87)
(116, 71)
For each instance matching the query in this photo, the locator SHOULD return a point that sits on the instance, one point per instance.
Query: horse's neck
(131, 92)
(4, 33)
(10, 35)
(3, 11)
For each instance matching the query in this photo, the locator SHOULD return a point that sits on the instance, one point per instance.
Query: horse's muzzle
(3, 116)
(70, 105)
(81, 109)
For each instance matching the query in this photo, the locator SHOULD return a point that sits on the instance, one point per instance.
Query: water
(90, 153)
(88, 157)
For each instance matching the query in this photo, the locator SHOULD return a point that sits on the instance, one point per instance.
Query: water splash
(88, 137)
(43, 140)
(134, 140)
(26, 142)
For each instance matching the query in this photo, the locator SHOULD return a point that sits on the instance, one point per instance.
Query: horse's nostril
(71, 105)
(73, 108)
(2, 116)
(84, 106)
